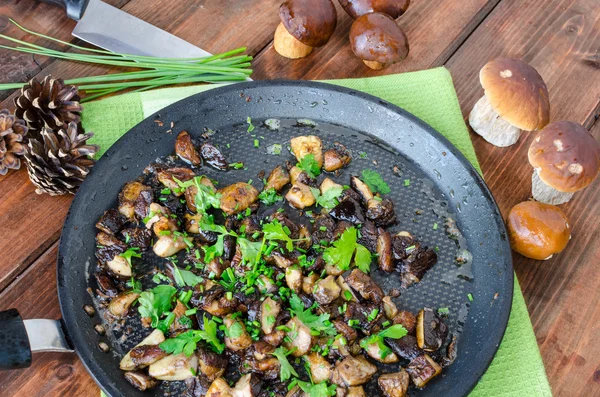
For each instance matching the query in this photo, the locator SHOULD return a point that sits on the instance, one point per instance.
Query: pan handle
(19, 338)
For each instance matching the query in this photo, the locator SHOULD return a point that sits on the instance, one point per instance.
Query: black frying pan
(442, 185)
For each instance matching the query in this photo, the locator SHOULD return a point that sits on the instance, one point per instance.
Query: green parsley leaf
(135, 285)
(215, 250)
(318, 390)
(185, 277)
(133, 252)
(251, 250)
(309, 165)
(269, 196)
(375, 182)
(316, 323)
(159, 277)
(206, 196)
(154, 302)
(276, 231)
(395, 332)
(285, 368)
(363, 258)
(330, 198)
(187, 341)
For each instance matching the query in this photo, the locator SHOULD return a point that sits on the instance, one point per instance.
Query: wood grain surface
(560, 38)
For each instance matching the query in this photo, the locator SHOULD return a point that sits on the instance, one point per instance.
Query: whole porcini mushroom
(378, 40)
(565, 158)
(393, 8)
(305, 24)
(537, 230)
(515, 99)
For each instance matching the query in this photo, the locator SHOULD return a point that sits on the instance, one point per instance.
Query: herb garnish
(155, 302)
(133, 252)
(375, 181)
(187, 341)
(343, 249)
(316, 323)
(309, 165)
(285, 368)
(330, 198)
(185, 277)
(395, 332)
(269, 196)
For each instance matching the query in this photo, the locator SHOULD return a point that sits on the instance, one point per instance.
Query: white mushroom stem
(547, 194)
(288, 46)
(491, 126)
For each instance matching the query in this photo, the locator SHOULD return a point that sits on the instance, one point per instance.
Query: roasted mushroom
(174, 367)
(378, 41)
(376, 352)
(269, 310)
(320, 368)
(185, 149)
(140, 380)
(300, 196)
(381, 211)
(135, 199)
(406, 319)
(304, 24)
(170, 176)
(211, 364)
(167, 245)
(144, 355)
(336, 158)
(384, 251)
(394, 385)
(405, 347)
(219, 388)
(213, 157)
(326, 290)
(422, 369)
(516, 98)
(293, 278)
(277, 179)
(365, 286)
(137, 237)
(300, 340)
(389, 307)
(154, 338)
(353, 371)
(120, 305)
(431, 330)
(348, 210)
(236, 337)
(304, 145)
(418, 262)
(111, 222)
(565, 158)
(237, 197)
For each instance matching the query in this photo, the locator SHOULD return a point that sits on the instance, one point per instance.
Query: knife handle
(74, 8)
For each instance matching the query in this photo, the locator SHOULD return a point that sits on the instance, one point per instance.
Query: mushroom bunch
(564, 156)
(375, 37)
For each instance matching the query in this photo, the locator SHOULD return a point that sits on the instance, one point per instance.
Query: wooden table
(560, 38)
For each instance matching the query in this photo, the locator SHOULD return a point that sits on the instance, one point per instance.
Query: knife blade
(115, 30)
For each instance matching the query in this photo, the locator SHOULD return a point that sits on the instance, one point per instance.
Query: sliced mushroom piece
(336, 157)
(346, 292)
(120, 305)
(356, 391)
(368, 236)
(376, 352)
(308, 283)
(328, 184)
(304, 145)
(326, 290)
(140, 380)
(406, 319)
(111, 222)
(247, 386)
(277, 179)
(298, 175)
(169, 178)
(106, 284)
(365, 286)
(269, 310)
(385, 258)
(389, 307)
(237, 197)
(184, 148)
(133, 195)
(405, 347)
(365, 193)
(422, 369)
(320, 369)
(304, 240)
(174, 367)
(211, 364)
(138, 237)
(394, 385)
(293, 278)
(219, 388)
(196, 386)
(191, 192)
(347, 331)
(300, 196)
(192, 223)
(179, 324)
(414, 267)
(381, 212)
(142, 356)
(431, 330)
(154, 338)
(160, 220)
(266, 285)
(299, 337)
(167, 246)
(275, 338)
(120, 267)
(353, 371)
(348, 210)
(237, 338)
(214, 157)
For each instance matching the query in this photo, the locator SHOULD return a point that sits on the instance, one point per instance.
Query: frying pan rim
(77, 338)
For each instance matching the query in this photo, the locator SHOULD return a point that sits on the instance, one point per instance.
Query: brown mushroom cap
(537, 230)
(375, 37)
(393, 8)
(566, 156)
(517, 93)
(311, 22)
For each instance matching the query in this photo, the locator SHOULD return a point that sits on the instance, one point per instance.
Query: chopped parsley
(185, 277)
(395, 332)
(276, 231)
(375, 181)
(155, 302)
(133, 252)
(343, 249)
(236, 166)
(269, 196)
(330, 198)
(318, 390)
(250, 125)
(309, 165)
(316, 323)
(206, 196)
(443, 311)
(407, 182)
(187, 341)
(285, 368)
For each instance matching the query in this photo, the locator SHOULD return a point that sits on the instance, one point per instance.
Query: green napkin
(517, 370)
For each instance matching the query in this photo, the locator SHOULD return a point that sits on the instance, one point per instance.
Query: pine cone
(58, 162)
(12, 131)
(50, 104)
